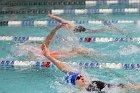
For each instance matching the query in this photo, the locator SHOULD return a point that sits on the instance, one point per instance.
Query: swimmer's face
(80, 81)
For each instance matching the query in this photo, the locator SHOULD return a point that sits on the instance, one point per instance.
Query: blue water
(51, 80)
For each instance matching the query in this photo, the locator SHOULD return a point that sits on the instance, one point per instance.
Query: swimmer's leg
(134, 86)
(88, 53)
(109, 28)
(104, 29)
(113, 28)
(92, 54)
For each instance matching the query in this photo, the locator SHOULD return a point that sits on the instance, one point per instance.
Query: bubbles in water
(129, 50)
(138, 24)
(27, 51)
(64, 40)
(115, 90)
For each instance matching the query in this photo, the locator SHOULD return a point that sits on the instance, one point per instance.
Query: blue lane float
(21, 39)
(131, 66)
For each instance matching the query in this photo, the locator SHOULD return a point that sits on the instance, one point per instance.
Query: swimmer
(48, 40)
(64, 54)
(72, 52)
(37, 51)
(80, 81)
(76, 29)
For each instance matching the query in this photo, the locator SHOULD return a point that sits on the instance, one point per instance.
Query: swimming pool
(27, 22)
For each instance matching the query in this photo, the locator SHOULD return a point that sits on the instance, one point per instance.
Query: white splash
(29, 51)
(129, 50)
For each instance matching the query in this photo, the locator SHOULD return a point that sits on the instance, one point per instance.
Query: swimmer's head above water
(79, 29)
(76, 79)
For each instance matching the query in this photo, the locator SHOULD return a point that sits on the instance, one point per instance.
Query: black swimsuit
(99, 85)
(96, 86)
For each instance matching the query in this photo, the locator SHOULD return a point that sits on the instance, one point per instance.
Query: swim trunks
(79, 29)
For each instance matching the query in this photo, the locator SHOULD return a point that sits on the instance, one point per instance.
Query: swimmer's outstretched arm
(58, 18)
(51, 35)
(67, 23)
(60, 65)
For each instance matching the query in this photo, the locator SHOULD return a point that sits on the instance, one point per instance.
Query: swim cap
(71, 78)
(80, 29)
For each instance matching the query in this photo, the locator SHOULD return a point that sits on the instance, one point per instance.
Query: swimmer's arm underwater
(60, 65)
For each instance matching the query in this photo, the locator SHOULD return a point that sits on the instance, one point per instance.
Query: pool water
(51, 80)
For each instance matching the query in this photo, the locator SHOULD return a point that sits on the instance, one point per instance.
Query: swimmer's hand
(59, 64)
(47, 51)
(63, 23)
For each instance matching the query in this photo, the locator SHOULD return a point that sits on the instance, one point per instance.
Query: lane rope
(74, 11)
(17, 63)
(46, 23)
(82, 39)
(87, 3)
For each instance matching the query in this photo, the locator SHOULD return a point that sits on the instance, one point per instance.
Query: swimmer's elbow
(60, 65)
(66, 70)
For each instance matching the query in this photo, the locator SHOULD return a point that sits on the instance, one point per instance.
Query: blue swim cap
(71, 78)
